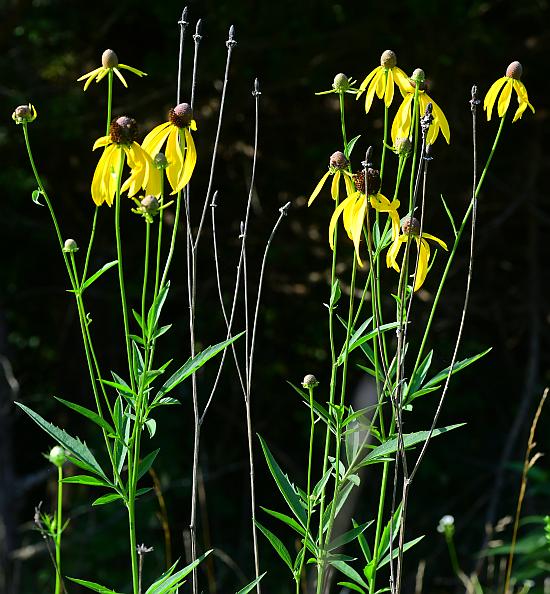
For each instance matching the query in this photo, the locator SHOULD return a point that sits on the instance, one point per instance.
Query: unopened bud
(109, 59)
(341, 83)
(338, 160)
(70, 246)
(446, 525)
(24, 114)
(418, 76)
(310, 381)
(57, 456)
(403, 146)
(150, 205)
(388, 59)
(160, 161)
(514, 70)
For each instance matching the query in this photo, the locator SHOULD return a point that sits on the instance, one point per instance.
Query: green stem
(145, 275)
(90, 243)
(309, 464)
(385, 141)
(109, 100)
(131, 505)
(454, 248)
(172, 241)
(414, 129)
(159, 238)
(58, 529)
(121, 273)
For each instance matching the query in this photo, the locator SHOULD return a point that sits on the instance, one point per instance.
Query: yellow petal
(402, 122)
(504, 99)
(402, 80)
(441, 121)
(120, 77)
(153, 142)
(190, 160)
(436, 239)
(381, 84)
(491, 96)
(368, 78)
(372, 89)
(112, 173)
(102, 74)
(138, 167)
(175, 158)
(103, 141)
(350, 187)
(388, 97)
(318, 188)
(97, 195)
(334, 220)
(89, 74)
(357, 225)
(393, 252)
(193, 125)
(347, 215)
(423, 259)
(335, 186)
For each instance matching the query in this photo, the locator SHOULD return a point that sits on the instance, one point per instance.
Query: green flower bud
(57, 456)
(403, 146)
(310, 381)
(418, 76)
(341, 83)
(24, 114)
(160, 161)
(150, 205)
(70, 246)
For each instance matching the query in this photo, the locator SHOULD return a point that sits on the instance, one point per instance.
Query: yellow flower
(109, 61)
(381, 80)
(144, 174)
(411, 228)
(401, 126)
(506, 84)
(354, 209)
(24, 114)
(336, 168)
(180, 148)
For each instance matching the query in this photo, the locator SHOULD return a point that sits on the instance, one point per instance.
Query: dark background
(294, 49)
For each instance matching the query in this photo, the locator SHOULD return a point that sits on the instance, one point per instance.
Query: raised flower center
(338, 160)
(123, 130)
(410, 226)
(373, 181)
(181, 115)
(388, 59)
(514, 70)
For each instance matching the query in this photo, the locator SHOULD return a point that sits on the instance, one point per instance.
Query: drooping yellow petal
(402, 80)
(103, 141)
(97, 195)
(334, 187)
(175, 158)
(490, 98)
(347, 215)
(193, 125)
(111, 174)
(381, 84)
(132, 69)
(89, 74)
(153, 142)
(523, 100)
(436, 239)
(138, 167)
(189, 162)
(388, 97)
(334, 219)
(104, 72)
(402, 122)
(357, 225)
(368, 78)
(318, 188)
(442, 122)
(372, 89)
(348, 180)
(423, 259)
(393, 252)
(504, 99)
(120, 77)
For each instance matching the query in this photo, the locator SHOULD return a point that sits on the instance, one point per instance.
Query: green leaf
(395, 552)
(285, 487)
(293, 524)
(82, 479)
(419, 376)
(192, 365)
(146, 463)
(79, 449)
(359, 341)
(93, 586)
(169, 581)
(138, 362)
(458, 366)
(363, 544)
(348, 536)
(109, 498)
(151, 425)
(391, 446)
(161, 331)
(340, 500)
(348, 571)
(156, 308)
(138, 318)
(449, 214)
(390, 530)
(321, 411)
(315, 494)
(90, 414)
(335, 293)
(277, 545)
(350, 145)
(97, 274)
(252, 585)
(36, 197)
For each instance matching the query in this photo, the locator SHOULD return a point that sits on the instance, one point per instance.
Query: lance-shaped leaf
(90, 414)
(77, 448)
(276, 543)
(93, 586)
(252, 585)
(395, 552)
(96, 275)
(170, 581)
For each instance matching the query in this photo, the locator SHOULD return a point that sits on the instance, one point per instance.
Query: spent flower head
(109, 63)
(504, 86)
(24, 114)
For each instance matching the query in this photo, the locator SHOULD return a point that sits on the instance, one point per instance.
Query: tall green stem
(159, 238)
(58, 529)
(145, 276)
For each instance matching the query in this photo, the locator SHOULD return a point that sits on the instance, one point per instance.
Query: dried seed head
(57, 456)
(123, 130)
(181, 115)
(310, 381)
(150, 205)
(109, 59)
(388, 59)
(70, 246)
(338, 160)
(514, 70)
(410, 226)
(341, 83)
(403, 146)
(160, 161)
(24, 114)
(373, 181)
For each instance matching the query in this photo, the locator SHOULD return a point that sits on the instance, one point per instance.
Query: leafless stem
(183, 23)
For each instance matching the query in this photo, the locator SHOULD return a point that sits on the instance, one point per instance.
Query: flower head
(109, 63)
(24, 114)
(402, 123)
(337, 168)
(504, 86)
(121, 141)
(354, 209)
(381, 80)
(70, 246)
(411, 228)
(180, 151)
(149, 207)
(310, 381)
(341, 84)
(57, 456)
